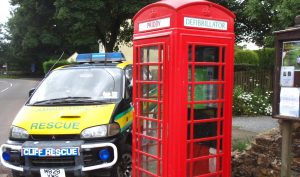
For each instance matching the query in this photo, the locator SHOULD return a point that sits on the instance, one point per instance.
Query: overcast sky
(4, 10)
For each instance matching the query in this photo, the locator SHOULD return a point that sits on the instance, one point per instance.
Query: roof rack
(100, 57)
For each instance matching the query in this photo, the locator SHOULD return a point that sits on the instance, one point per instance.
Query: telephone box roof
(178, 4)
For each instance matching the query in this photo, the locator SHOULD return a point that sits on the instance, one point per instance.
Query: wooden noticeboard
(287, 55)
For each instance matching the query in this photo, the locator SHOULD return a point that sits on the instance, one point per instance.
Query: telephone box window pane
(206, 73)
(150, 146)
(150, 91)
(150, 128)
(190, 71)
(144, 174)
(205, 130)
(206, 160)
(206, 54)
(149, 109)
(149, 54)
(199, 114)
(149, 164)
(151, 73)
(202, 149)
(206, 92)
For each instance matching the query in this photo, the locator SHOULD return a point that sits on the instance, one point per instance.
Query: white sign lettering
(155, 24)
(205, 23)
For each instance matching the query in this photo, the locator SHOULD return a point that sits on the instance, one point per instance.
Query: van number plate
(52, 173)
(50, 152)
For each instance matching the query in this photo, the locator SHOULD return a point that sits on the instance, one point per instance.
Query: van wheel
(123, 167)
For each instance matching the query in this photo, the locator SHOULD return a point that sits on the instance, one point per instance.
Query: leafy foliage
(240, 144)
(266, 16)
(266, 58)
(253, 103)
(40, 29)
(92, 20)
(47, 65)
(246, 57)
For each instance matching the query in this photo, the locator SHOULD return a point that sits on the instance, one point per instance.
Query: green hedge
(48, 64)
(247, 57)
(266, 58)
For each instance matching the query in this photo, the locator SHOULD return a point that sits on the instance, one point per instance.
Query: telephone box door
(209, 85)
(149, 96)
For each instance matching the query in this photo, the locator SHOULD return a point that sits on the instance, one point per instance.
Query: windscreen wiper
(61, 100)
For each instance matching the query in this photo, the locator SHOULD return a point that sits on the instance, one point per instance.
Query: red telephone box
(183, 82)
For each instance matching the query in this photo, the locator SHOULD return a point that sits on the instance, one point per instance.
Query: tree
(42, 29)
(266, 16)
(88, 21)
(33, 36)
(241, 23)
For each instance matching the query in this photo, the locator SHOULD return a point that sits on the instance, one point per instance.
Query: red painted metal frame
(175, 150)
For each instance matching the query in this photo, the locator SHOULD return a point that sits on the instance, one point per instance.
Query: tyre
(123, 167)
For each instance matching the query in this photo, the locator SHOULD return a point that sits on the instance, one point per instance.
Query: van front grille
(54, 137)
(52, 161)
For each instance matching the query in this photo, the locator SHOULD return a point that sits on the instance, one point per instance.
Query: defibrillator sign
(205, 23)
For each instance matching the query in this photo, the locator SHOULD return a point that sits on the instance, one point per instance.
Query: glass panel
(150, 73)
(143, 174)
(202, 113)
(204, 149)
(149, 54)
(206, 92)
(190, 73)
(206, 54)
(149, 109)
(150, 146)
(148, 164)
(205, 165)
(149, 91)
(209, 73)
(150, 128)
(205, 130)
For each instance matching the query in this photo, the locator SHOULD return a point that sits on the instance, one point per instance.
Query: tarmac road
(13, 94)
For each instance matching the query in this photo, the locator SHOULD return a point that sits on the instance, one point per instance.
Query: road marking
(10, 85)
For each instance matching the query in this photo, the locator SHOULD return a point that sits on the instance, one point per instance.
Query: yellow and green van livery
(78, 120)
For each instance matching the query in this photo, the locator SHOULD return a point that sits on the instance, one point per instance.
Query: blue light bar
(100, 57)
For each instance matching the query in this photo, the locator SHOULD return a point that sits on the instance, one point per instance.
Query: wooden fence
(249, 80)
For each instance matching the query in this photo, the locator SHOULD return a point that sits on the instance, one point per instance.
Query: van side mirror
(31, 92)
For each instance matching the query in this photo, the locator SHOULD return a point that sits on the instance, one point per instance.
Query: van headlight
(101, 131)
(18, 133)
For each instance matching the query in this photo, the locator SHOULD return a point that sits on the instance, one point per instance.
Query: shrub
(266, 58)
(47, 65)
(252, 103)
(240, 145)
(246, 57)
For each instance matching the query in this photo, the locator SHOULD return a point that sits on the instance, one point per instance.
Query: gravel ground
(255, 124)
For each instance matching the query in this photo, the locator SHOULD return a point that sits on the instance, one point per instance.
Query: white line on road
(10, 85)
